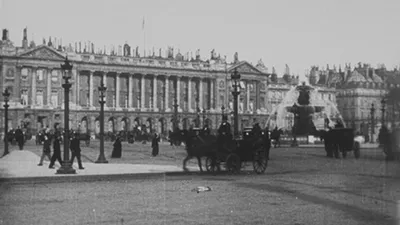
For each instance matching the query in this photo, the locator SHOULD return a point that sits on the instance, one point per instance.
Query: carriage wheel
(357, 150)
(260, 162)
(233, 163)
(211, 164)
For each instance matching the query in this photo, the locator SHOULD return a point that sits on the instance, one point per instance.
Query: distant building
(140, 90)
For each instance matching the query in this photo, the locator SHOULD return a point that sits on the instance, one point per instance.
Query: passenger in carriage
(224, 133)
(206, 130)
(256, 129)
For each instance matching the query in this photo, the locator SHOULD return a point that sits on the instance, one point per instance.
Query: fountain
(310, 109)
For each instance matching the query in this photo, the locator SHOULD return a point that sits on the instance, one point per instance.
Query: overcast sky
(299, 33)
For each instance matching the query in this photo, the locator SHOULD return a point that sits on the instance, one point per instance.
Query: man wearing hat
(76, 150)
(224, 133)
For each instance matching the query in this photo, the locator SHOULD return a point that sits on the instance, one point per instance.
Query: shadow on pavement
(357, 213)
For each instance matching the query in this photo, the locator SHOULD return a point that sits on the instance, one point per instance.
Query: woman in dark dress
(154, 144)
(117, 151)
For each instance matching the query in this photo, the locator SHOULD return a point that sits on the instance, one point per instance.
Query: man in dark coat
(56, 151)
(154, 144)
(117, 150)
(46, 147)
(256, 129)
(76, 150)
(19, 136)
(224, 133)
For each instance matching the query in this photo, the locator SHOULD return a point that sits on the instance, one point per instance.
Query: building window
(39, 75)
(39, 97)
(54, 98)
(54, 76)
(24, 97)
(24, 74)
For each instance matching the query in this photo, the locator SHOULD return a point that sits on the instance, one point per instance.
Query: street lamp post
(66, 167)
(294, 128)
(102, 89)
(372, 122)
(383, 103)
(6, 96)
(223, 111)
(235, 77)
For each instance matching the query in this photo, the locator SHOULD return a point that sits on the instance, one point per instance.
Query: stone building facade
(140, 90)
(357, 89)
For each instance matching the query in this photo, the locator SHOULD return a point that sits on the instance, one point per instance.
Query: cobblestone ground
(300, 186)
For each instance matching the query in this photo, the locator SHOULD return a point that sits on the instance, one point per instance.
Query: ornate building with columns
(357, 89)
(140, 90)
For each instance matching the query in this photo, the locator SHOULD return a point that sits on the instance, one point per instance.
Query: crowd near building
(143, 89)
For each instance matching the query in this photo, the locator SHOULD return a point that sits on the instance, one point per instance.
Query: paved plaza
(300, 186)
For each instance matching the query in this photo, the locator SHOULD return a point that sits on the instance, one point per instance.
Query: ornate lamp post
(175, 113)
(223, 111)
(235, 77)
(102, 89)
(295, 110)
(6, 96)
(383, 109)
(372, 122)
(66, 167)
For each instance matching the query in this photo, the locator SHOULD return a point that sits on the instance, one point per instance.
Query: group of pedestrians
(56, 139)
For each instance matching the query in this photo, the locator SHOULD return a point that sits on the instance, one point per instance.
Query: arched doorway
(124, 124)
(208, 122)
(97, 127)
(137, 122)
(111, 125)
(83, 128)
(149, 125)
(185, 124)
(161, 127)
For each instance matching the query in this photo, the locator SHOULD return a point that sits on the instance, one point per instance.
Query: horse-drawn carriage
(341, 140)
(231, 153)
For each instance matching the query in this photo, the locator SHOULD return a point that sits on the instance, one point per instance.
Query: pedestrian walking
(76, 150)
(46, 147)
(19, 137)
(154, 144)
(56, 151)
(117, 150)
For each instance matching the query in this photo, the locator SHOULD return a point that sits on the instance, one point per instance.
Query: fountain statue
(303, 111)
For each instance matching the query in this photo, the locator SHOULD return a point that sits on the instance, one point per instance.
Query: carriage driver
(224, 133)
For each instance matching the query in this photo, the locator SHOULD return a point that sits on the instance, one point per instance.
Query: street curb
(93, 178)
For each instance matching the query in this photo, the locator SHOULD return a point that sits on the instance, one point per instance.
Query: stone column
(142, 87)
(91, 88)
(190, 94)
(33, 94)
(155, 93)
(212, 91)
(117, 90)
(166, 103)
(130, 92)
(75, 88)
(248, 96)
(178, 91)
(201, 94)
(49, 87)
